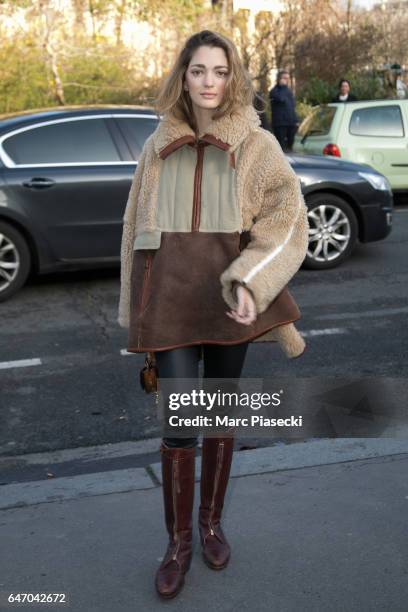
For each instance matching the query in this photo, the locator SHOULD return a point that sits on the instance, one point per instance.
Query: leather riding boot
(178, 471)
(216, 462)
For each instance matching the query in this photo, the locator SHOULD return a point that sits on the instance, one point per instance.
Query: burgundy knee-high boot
(178, 471)
(216, 462)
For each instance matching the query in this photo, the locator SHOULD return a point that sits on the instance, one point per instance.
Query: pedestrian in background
(344, 94)
(284, 118)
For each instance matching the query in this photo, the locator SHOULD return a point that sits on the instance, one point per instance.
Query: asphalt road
(79, 388)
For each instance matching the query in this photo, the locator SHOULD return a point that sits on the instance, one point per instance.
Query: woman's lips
(209, 95)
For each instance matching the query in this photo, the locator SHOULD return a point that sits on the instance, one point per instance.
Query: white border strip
(21, 363)
(275, 252)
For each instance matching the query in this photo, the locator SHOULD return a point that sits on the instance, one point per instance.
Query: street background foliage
(67, 52)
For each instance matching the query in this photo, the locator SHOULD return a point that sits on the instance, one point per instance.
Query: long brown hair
(239, 90)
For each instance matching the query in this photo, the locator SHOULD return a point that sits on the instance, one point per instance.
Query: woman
(344, 94)
(215, 217)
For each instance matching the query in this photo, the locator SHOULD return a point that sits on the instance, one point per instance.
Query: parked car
(373, 132)
(346, 203)
(65, 175)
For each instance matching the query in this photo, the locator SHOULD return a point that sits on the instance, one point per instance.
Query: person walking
(284, 118)
(215, 218)
(344, 94)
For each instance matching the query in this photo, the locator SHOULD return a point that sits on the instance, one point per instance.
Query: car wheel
(15, 260)
(333, 230)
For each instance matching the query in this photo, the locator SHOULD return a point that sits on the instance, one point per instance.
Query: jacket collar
(226, 133)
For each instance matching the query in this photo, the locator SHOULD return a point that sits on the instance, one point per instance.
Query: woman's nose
(208, 80)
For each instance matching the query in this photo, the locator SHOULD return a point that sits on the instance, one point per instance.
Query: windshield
(318, 122)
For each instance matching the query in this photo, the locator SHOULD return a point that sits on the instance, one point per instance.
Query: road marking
(306, 333)
(367, 313)
(125, 352)
(323, 332)
(21, 363)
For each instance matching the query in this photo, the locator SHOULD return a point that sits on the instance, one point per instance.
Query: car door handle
(38, 183)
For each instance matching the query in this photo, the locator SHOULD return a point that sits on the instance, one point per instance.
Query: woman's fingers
(247, 317)
(243, 320)
(246, 310)
(238, 319)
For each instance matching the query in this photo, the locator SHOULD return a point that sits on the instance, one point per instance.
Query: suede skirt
(176, 298)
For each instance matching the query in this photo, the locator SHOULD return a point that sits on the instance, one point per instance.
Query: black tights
(220, 361)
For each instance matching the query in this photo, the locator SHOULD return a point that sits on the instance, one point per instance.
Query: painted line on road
(379, 312)
(328, 331)
(324, 332)
(37, 361)
(21, 363)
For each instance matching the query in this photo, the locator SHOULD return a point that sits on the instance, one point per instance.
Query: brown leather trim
(195, 224)
(189, 139)
(146, 274)
(215, 141)
(232, 160)
(176, 144)
(223, 342)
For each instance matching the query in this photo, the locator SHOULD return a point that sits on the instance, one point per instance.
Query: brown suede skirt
(176, 295)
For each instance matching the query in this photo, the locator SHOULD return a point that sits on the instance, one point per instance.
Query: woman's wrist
(234, 288)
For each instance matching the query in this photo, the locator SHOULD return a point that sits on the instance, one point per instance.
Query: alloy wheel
(9, 261)
(329, 232)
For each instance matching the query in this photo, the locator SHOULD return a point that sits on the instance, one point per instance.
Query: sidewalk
(316, 525)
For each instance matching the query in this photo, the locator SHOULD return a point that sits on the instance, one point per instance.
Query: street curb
(306, 454)
(245, 463)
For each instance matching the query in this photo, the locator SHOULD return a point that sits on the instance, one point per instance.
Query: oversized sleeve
(278, 236)
(128, 236)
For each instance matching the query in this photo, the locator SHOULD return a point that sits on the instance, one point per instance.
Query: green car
(373, 132)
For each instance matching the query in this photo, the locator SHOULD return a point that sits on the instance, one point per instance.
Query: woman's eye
(195, 72)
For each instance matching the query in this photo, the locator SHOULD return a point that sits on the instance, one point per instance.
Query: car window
(377, 121)
(136, 130)
(318, 122)
(76, 141)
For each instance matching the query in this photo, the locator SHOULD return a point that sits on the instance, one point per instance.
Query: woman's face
(207, 74)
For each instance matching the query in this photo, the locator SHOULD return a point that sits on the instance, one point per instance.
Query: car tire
(329, 207)
(13, 251)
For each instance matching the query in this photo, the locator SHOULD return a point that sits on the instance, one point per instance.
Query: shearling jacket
(231, 180)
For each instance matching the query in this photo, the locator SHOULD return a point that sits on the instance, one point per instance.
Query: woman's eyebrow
(203, 66)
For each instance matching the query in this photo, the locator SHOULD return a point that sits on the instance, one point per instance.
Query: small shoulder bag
(149, 374)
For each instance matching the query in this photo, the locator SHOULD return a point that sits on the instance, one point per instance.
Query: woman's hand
(246, 311)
